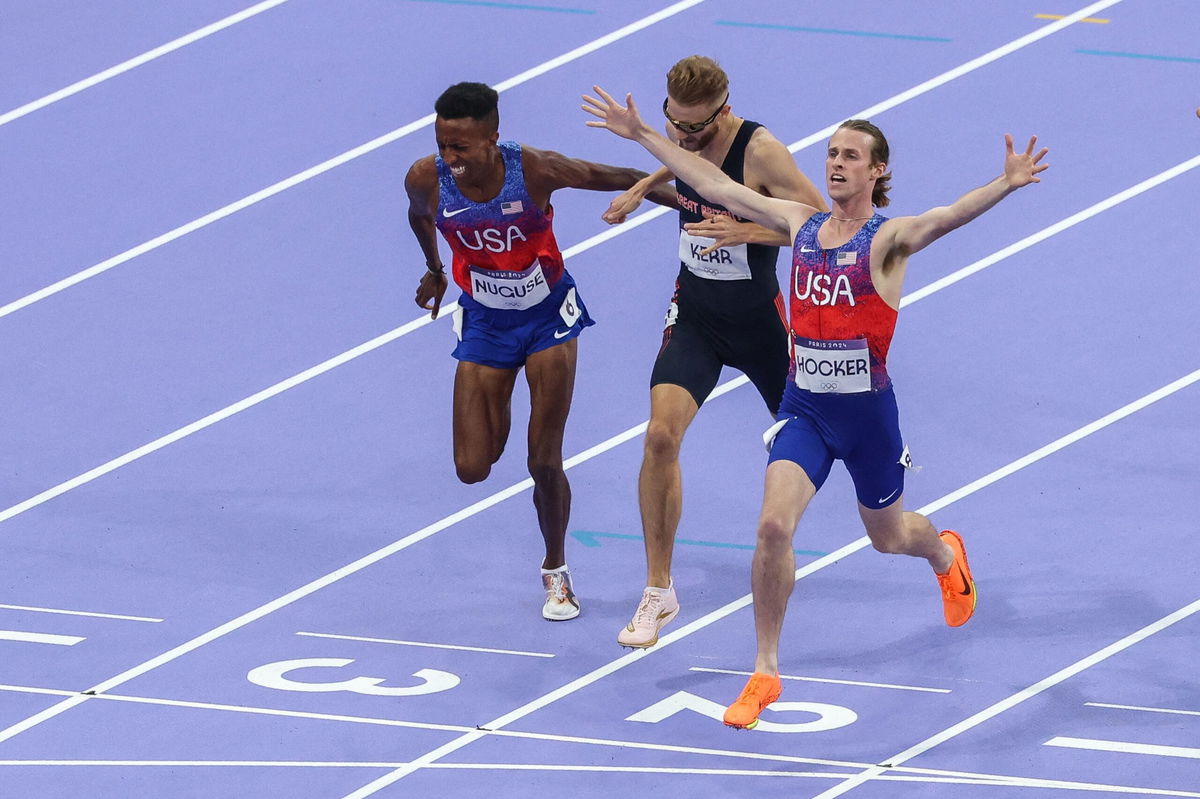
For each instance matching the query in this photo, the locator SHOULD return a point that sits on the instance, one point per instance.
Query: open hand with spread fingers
(1021, 169)
(625, 121)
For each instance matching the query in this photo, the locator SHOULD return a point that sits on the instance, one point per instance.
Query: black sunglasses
(693, 127)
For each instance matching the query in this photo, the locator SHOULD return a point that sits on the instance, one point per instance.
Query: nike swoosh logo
(807, 249)
(447, 213)
(562, 333)
(889, 496)
(966, 582)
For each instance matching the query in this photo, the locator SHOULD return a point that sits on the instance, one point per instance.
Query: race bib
(510, 291)
(724, 263)
(569, 310)
(833, 367)
(672, 315)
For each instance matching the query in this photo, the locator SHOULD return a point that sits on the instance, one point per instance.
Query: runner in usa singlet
(841, 328)
(519, 308)
(839, 403)
(505, 254)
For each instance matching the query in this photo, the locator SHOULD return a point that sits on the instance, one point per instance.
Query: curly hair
(467, 100)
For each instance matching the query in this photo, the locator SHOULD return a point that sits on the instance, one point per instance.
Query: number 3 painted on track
(272, 676)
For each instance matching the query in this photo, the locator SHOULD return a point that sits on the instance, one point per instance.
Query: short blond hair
(697, 80)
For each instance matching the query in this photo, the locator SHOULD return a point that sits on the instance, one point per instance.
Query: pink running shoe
(658, 606)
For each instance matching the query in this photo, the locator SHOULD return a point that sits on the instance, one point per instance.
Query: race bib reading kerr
(724, 263)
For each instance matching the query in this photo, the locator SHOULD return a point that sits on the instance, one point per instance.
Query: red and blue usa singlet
(841, 328)
(505, 254)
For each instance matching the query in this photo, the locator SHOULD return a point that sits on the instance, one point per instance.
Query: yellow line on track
(1063, 16)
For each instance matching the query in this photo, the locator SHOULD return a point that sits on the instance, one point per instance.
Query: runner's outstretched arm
(707, 179)
(627, 201)
(914, 233)
(556, 171)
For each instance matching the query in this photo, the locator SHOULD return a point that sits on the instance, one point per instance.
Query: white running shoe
(658, 606)
(561, 603)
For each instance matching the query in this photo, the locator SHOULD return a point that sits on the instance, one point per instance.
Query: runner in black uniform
(727, 308)
(726, 311)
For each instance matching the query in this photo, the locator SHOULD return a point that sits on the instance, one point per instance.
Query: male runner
(519, 307)
(847, 271)
(727, 309)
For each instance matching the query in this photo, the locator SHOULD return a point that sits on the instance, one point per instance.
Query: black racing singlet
(731, 280)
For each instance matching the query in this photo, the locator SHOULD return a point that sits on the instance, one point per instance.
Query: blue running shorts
(504, 339)
(861, 430)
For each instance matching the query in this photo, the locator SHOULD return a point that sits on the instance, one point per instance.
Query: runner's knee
(662, 442)
(472, 470)
(774, 533)
(545, 471)
(890, 543)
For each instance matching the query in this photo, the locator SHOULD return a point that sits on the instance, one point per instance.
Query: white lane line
(208, 421)
(1065, 441)
(1125, 747)
(944, 780)
(316, 585)
(423, 320)
(137, 61)
(534, 767)
(830, 680)
(1012, 701)
(538, 767)
(1056, 228)
(258, 711)
(374, 144)
(976, 777)
(89, 613)
(959, 71)
(40, 638)
(745, 601)
(909, 94)
(431, 646)
(332, 163)
(344, 571)
(956, 779)
(1144, 709)
(597, 769)
(201, 763)
(311, 587)
(593, 241)
(533, 736)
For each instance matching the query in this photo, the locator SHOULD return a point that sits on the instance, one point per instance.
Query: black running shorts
(695, 347)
